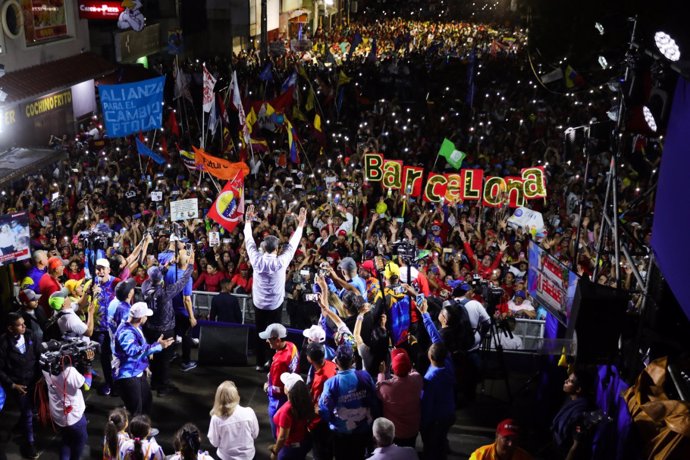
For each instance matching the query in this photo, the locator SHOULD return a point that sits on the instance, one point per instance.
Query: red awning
(44, 78)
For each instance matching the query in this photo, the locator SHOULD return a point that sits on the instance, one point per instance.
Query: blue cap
(520, 294)
(155, 274)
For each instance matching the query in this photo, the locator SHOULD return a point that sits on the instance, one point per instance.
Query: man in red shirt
(285, 359)
(50, 283)
(323, 370)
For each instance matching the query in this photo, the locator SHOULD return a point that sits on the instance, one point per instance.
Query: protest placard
(184, 209)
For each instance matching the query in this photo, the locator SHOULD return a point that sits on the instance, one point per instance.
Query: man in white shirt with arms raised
(268, 289)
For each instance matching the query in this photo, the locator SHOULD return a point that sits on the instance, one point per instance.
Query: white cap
(315, 334)
(102, 263)
(274, 331)
(289, 379)
(139, 310)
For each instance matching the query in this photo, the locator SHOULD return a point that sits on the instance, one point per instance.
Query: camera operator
(19, 372)
(480, 322)
(68, 321)
(67, 406)
(301, 301)
(107, 283)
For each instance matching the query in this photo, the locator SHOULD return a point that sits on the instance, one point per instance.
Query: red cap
(400, 362)
(508, 428)
(342, 232)
(368, 265)
(244, 266)
(54, 263)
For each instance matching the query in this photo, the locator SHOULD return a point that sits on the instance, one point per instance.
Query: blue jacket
(159, 299)
(438, 396)
(131, 352)
(348, 402)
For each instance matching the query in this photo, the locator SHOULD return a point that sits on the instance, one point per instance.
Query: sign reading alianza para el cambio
(132, 107)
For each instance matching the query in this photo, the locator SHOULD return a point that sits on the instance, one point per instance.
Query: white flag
(209, 95)
(237, 102)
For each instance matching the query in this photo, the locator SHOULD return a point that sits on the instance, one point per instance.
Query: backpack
(464, 326)
(52, 329)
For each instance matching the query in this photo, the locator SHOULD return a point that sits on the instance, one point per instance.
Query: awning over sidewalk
(18, 162)
(43, 78)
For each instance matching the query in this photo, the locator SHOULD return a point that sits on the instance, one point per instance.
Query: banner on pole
(132, 107)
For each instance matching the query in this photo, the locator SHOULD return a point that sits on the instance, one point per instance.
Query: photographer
(301, 301)
(67, 405)
(350, 281)
(19, 372)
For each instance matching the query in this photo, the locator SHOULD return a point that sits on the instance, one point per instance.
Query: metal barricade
(201, 301)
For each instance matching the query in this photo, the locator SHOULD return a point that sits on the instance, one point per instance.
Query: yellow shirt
(489, 453)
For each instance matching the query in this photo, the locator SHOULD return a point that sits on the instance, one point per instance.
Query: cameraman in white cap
(131, 360)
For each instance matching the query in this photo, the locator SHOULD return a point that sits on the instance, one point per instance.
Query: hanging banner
(132, 107)
(218, 167)
(464, 185)
(14, 238)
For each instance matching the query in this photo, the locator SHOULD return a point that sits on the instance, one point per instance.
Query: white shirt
(394, 452)
(234, 436)
(150, 448)
(64, 391)
(71, 324)
(268, 288)
(200, 456)
(525, 305)
(477, 314)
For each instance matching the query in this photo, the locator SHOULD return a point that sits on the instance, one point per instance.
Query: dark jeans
(136, 394)
(322, 438)
(295, 453)
(350, 446)
(103, 339)
(183, 328)
(74, 438)
(26, 413)
(262, 319)
(435, 438)
(159, 363)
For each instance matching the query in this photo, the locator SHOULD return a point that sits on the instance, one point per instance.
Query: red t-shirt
(326, 372)
(284, 360)
(211, 283)
(46, 286)
(245, 284)
(284, 419)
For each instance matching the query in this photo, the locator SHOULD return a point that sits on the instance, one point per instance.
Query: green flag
(452, 155)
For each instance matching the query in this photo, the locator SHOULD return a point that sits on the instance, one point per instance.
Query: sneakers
(29, 451)
(188, 366)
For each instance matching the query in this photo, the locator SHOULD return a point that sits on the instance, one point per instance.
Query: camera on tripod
(100, 238)
(73, 350)
(491, 294)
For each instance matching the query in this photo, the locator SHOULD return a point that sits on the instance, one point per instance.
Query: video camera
(406, 250)
(69, 350)
(492, 295)
(99, 238)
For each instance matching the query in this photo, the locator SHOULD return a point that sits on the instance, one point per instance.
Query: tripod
(494, 337)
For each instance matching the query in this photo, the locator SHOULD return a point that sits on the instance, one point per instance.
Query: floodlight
(613, 113)
(599, 27)
(667, 46)
(603, 62)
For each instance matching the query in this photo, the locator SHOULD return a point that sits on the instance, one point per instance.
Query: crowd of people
(388, 289)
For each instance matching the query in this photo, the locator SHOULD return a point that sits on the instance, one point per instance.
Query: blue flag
(289, 81)
(132, 107)
(147, 152)
(356, 41)
(372, 53)
(267, 73)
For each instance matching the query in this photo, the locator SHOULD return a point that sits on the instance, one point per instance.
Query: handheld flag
(209, 84)
(266, 74)
(289, 82)
(228, 208)
(188, 158)
(453, 156)
(218, 167)
(292, 136)
(147, 152)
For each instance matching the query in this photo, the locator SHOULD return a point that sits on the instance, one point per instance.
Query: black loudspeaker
(223, 344)
(599, 322)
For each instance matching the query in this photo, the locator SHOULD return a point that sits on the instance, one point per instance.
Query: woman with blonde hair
(233, 428)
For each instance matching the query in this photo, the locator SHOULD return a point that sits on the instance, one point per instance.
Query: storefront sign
(464, 185)
(132, 107)
(44, 20)
(48, 103)
(131, 45)
(100, 10)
